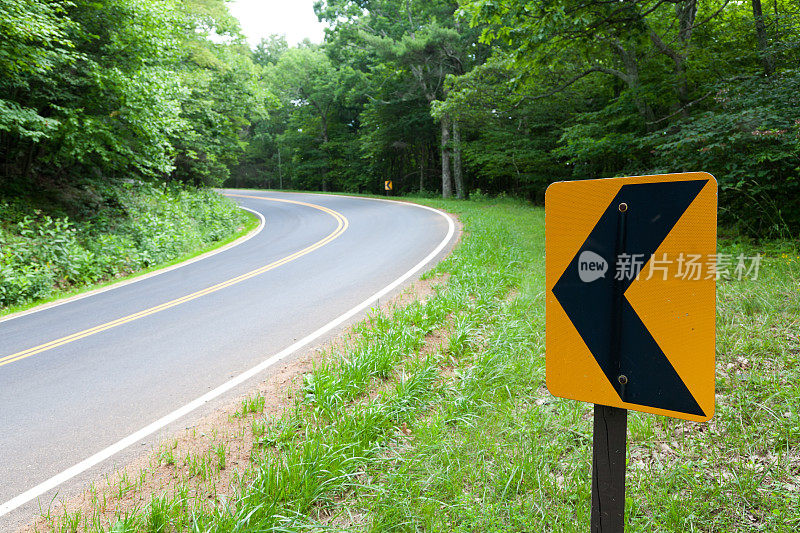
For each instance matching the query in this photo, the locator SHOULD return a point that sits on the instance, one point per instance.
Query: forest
(443, 97)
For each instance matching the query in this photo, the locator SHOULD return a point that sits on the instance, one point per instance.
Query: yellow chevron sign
(629, 323)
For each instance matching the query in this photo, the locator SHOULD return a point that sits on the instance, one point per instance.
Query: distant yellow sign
(387, 185)
(631, 270)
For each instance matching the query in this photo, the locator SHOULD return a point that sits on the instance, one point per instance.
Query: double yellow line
(340, 228)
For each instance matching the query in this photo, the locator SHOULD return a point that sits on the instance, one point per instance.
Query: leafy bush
(41, 254)
(750, 141)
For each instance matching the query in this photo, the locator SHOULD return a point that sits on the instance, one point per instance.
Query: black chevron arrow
(629, 356)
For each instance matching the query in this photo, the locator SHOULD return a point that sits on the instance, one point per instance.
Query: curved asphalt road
(62, 403)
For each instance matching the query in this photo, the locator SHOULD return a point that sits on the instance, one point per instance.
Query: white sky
(293, 18)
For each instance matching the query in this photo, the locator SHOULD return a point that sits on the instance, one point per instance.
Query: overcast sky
(293, 18)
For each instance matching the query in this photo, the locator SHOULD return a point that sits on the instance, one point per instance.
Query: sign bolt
(623, 379)
(623, 207)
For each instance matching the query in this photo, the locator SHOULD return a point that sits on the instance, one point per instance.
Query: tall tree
(761, 37)
(223, 94)
(309, 83)
(87, 89)
(420, 40)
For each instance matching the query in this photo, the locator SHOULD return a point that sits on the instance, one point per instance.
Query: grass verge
(197, 247)
(435, 417)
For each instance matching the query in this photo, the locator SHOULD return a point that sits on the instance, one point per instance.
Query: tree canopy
(441, 97)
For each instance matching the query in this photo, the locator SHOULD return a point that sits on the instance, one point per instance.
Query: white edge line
(148, 430)
(143, 277)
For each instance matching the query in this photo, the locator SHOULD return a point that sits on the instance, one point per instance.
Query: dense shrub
(41, 254)
(750, 140)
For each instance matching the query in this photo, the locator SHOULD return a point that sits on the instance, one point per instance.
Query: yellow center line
(342, 221)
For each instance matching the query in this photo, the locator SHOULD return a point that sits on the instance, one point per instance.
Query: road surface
(82, 381)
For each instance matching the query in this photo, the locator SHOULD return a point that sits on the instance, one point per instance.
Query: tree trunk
(421, 162)
(29, 158)
(631, 63)
(761, 34)
(687, 14)
(447, 187)
(458, 174)
(324, 120)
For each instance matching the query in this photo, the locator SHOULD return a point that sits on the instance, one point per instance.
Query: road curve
(81, 381)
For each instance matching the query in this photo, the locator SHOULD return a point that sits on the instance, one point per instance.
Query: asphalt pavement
(78, 378)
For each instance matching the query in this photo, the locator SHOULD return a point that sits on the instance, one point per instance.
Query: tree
(33, 44)
(655, 87)
(309, 84)
(269, 50)
(91, 94)
(421, 42)
(761, 35)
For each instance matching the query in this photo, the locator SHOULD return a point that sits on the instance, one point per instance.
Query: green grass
(251, 405)
(436, 417)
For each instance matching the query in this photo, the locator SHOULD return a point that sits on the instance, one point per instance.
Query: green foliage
(33, 43)
(750, 140)
(223, 96)
(570, 89)
(313, 126)
(125, 88)
(41, 254)
(357, 110)
(652, 87)
(98, 97)
(528, 91)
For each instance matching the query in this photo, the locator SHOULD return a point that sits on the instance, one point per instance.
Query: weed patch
(140, 226)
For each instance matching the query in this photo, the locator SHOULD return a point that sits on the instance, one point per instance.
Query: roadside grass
(435, 417)
(251, 223)
(46, 259)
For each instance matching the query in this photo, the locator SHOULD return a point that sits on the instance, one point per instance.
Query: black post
(608, 469)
